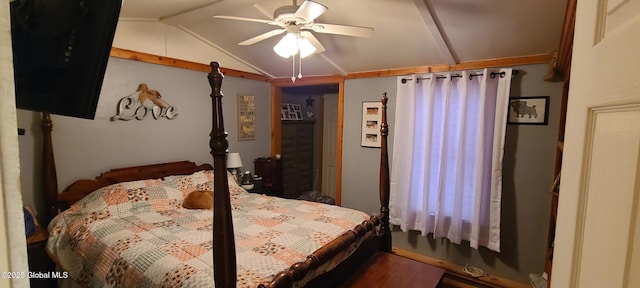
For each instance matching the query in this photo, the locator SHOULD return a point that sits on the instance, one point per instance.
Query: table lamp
(233, 165)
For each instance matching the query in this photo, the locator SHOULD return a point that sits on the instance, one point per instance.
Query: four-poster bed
(336, 259)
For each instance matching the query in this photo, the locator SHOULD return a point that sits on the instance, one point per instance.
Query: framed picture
(371, 119)
(290, 112)
(528, 110)
(246, 118)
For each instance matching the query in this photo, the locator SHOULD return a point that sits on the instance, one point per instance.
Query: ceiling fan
(299, 21)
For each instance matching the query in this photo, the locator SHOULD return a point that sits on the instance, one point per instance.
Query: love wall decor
(146, 103)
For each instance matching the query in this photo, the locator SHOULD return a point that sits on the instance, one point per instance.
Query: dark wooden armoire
(297, 157)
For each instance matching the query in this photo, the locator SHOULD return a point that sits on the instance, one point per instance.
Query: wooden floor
(393, 271)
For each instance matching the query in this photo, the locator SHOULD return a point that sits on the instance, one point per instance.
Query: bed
(127, 226)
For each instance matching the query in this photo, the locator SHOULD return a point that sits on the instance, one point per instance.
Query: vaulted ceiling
(407, 33)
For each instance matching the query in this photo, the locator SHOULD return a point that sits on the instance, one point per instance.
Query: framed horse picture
(528, 110)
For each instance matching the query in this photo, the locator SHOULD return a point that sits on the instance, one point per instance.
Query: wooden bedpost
(385, 230)
(224, 252)
(49, 177)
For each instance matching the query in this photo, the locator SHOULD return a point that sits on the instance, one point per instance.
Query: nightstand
(270, 169)
(39, 261)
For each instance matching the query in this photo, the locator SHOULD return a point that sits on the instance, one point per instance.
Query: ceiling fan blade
(262, 37)
(310, 10)
(347, 30)
(314, 41)
(271, 22)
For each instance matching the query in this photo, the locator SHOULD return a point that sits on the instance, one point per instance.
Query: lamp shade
(305, 46)
(292, 43)
(233, 160)
(288, 46)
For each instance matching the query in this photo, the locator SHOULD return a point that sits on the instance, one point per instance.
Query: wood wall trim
(390, 72)
(276, 122)
(488, 63)
(563, 66)
(173, 62)
(457, 271)
(315, 80)
(312, 80)
(503, 62)
(340, 140)
(565, 49)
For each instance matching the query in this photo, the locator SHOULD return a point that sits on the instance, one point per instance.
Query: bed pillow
(201, 180)
(126, 196)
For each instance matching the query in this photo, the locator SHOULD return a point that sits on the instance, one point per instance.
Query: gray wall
(528, 174)
(85, 148)
(360, 165)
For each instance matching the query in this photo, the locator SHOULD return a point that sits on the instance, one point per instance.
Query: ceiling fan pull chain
(300, 67)
(293, 69)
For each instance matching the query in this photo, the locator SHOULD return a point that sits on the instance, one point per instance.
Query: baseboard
(454, 282)
(457, 271)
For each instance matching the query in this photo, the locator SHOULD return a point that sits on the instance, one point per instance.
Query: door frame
(13, 243)
(276, 127)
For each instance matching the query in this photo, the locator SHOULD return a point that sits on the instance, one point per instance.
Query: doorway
(308, 145)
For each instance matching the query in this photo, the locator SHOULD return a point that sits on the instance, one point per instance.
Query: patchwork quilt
(136, 234)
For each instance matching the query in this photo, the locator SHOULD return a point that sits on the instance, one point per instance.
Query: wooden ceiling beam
(436, 34)
(214, 7)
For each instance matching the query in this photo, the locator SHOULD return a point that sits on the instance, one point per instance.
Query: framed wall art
(528, 110)
(371, 120)
(246, 118)
(290, 112)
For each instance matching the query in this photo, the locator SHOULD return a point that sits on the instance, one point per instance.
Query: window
(446, 175)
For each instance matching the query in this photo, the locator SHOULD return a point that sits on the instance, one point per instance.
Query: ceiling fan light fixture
(292, 43)
(288, 46)
(305, 47)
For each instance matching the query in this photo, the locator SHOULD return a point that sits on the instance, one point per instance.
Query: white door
(329, 144)
(598, 229)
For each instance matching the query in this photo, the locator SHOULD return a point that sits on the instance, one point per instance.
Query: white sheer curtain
(446, 175)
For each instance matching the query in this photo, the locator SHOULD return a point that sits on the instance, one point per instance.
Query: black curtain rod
(492, 75)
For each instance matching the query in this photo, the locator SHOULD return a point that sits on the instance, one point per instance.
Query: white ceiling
(408, 33)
